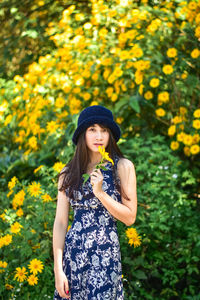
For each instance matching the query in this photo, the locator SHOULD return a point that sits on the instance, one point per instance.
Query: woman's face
(96, 136)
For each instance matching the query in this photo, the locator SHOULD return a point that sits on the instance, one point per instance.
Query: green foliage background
(59, 58)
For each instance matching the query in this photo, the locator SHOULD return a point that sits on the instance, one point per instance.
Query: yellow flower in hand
(105, 156)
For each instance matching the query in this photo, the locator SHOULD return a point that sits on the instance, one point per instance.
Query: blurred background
(141, 59)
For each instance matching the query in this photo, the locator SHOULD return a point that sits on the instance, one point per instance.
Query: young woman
(87, 259)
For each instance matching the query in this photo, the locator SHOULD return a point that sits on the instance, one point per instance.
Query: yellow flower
(197, 32)
(95, 76)
(140, 90)
(119, 120)
(171, 130)
(195, 53)
(136, 52)
(8, 120)
(32, 280)
(186, 151)
(148, 95)
(2, 216)
(19, 212)
(180, 136)
(3, 265)
(138, 77)
(16, 227)
(194, 149)
(7, 239)
(60, 102)
(117, 72)
(141, 65)
(167, 69)
(154, 82)
(33, 142)
(95, 92)
(34, 189)
(196, 124)
(174, 145)
(111, 78)
(172, 52)
(109, 91)
(105, 154)
(106, 73)
(76, 90)
(192, 5)
(160, 112)
(103, 32)
(36, 170)
(46, 198)
(187, 140)
(163, 97)
(112, 13)
(35, 266)
(9, 286)
(79, 17)
(196, 113)
(184, 75)
(134, 238)
(197, 19)
(12, 183)
(124, 55)
(183, 110)
(58, 166)
(86, 96)
(52, 126)
(114, 97)
(20, 274)
(93, 103)
(195, 138)
(177, 119)
(18, 199)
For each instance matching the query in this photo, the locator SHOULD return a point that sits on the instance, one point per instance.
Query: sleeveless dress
(91, 256)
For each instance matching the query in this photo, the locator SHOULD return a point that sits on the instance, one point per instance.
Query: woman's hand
(96, 179)
(62, 285)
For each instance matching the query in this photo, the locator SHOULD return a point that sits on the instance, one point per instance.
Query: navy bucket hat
(96, 114)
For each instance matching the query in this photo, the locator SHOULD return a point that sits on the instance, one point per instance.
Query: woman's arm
(59, 233)
(60, 229)
(127, 210)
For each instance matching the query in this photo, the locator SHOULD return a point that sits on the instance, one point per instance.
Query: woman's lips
(98, 144)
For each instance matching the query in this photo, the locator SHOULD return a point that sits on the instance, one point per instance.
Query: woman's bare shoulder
(125, 163)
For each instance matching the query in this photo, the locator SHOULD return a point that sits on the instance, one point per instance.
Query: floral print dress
(91, 256)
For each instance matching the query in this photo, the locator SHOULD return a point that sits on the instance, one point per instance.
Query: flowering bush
(166, 265)
(26, 237)
(142, 61)
(139, 59)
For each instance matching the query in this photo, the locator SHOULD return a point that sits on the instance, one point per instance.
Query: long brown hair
(74, 169)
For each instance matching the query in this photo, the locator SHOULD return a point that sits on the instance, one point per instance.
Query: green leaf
(121, 103)
(103, 168)
(140, 274)
(134, 103)
(86, 177)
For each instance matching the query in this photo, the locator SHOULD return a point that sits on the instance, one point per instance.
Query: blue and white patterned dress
(91, 256)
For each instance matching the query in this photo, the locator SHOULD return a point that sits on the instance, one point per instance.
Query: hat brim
(97, 120)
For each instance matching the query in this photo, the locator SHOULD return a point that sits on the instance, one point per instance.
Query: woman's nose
(99, 135)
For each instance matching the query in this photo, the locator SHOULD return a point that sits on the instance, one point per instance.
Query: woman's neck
(95, 159)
